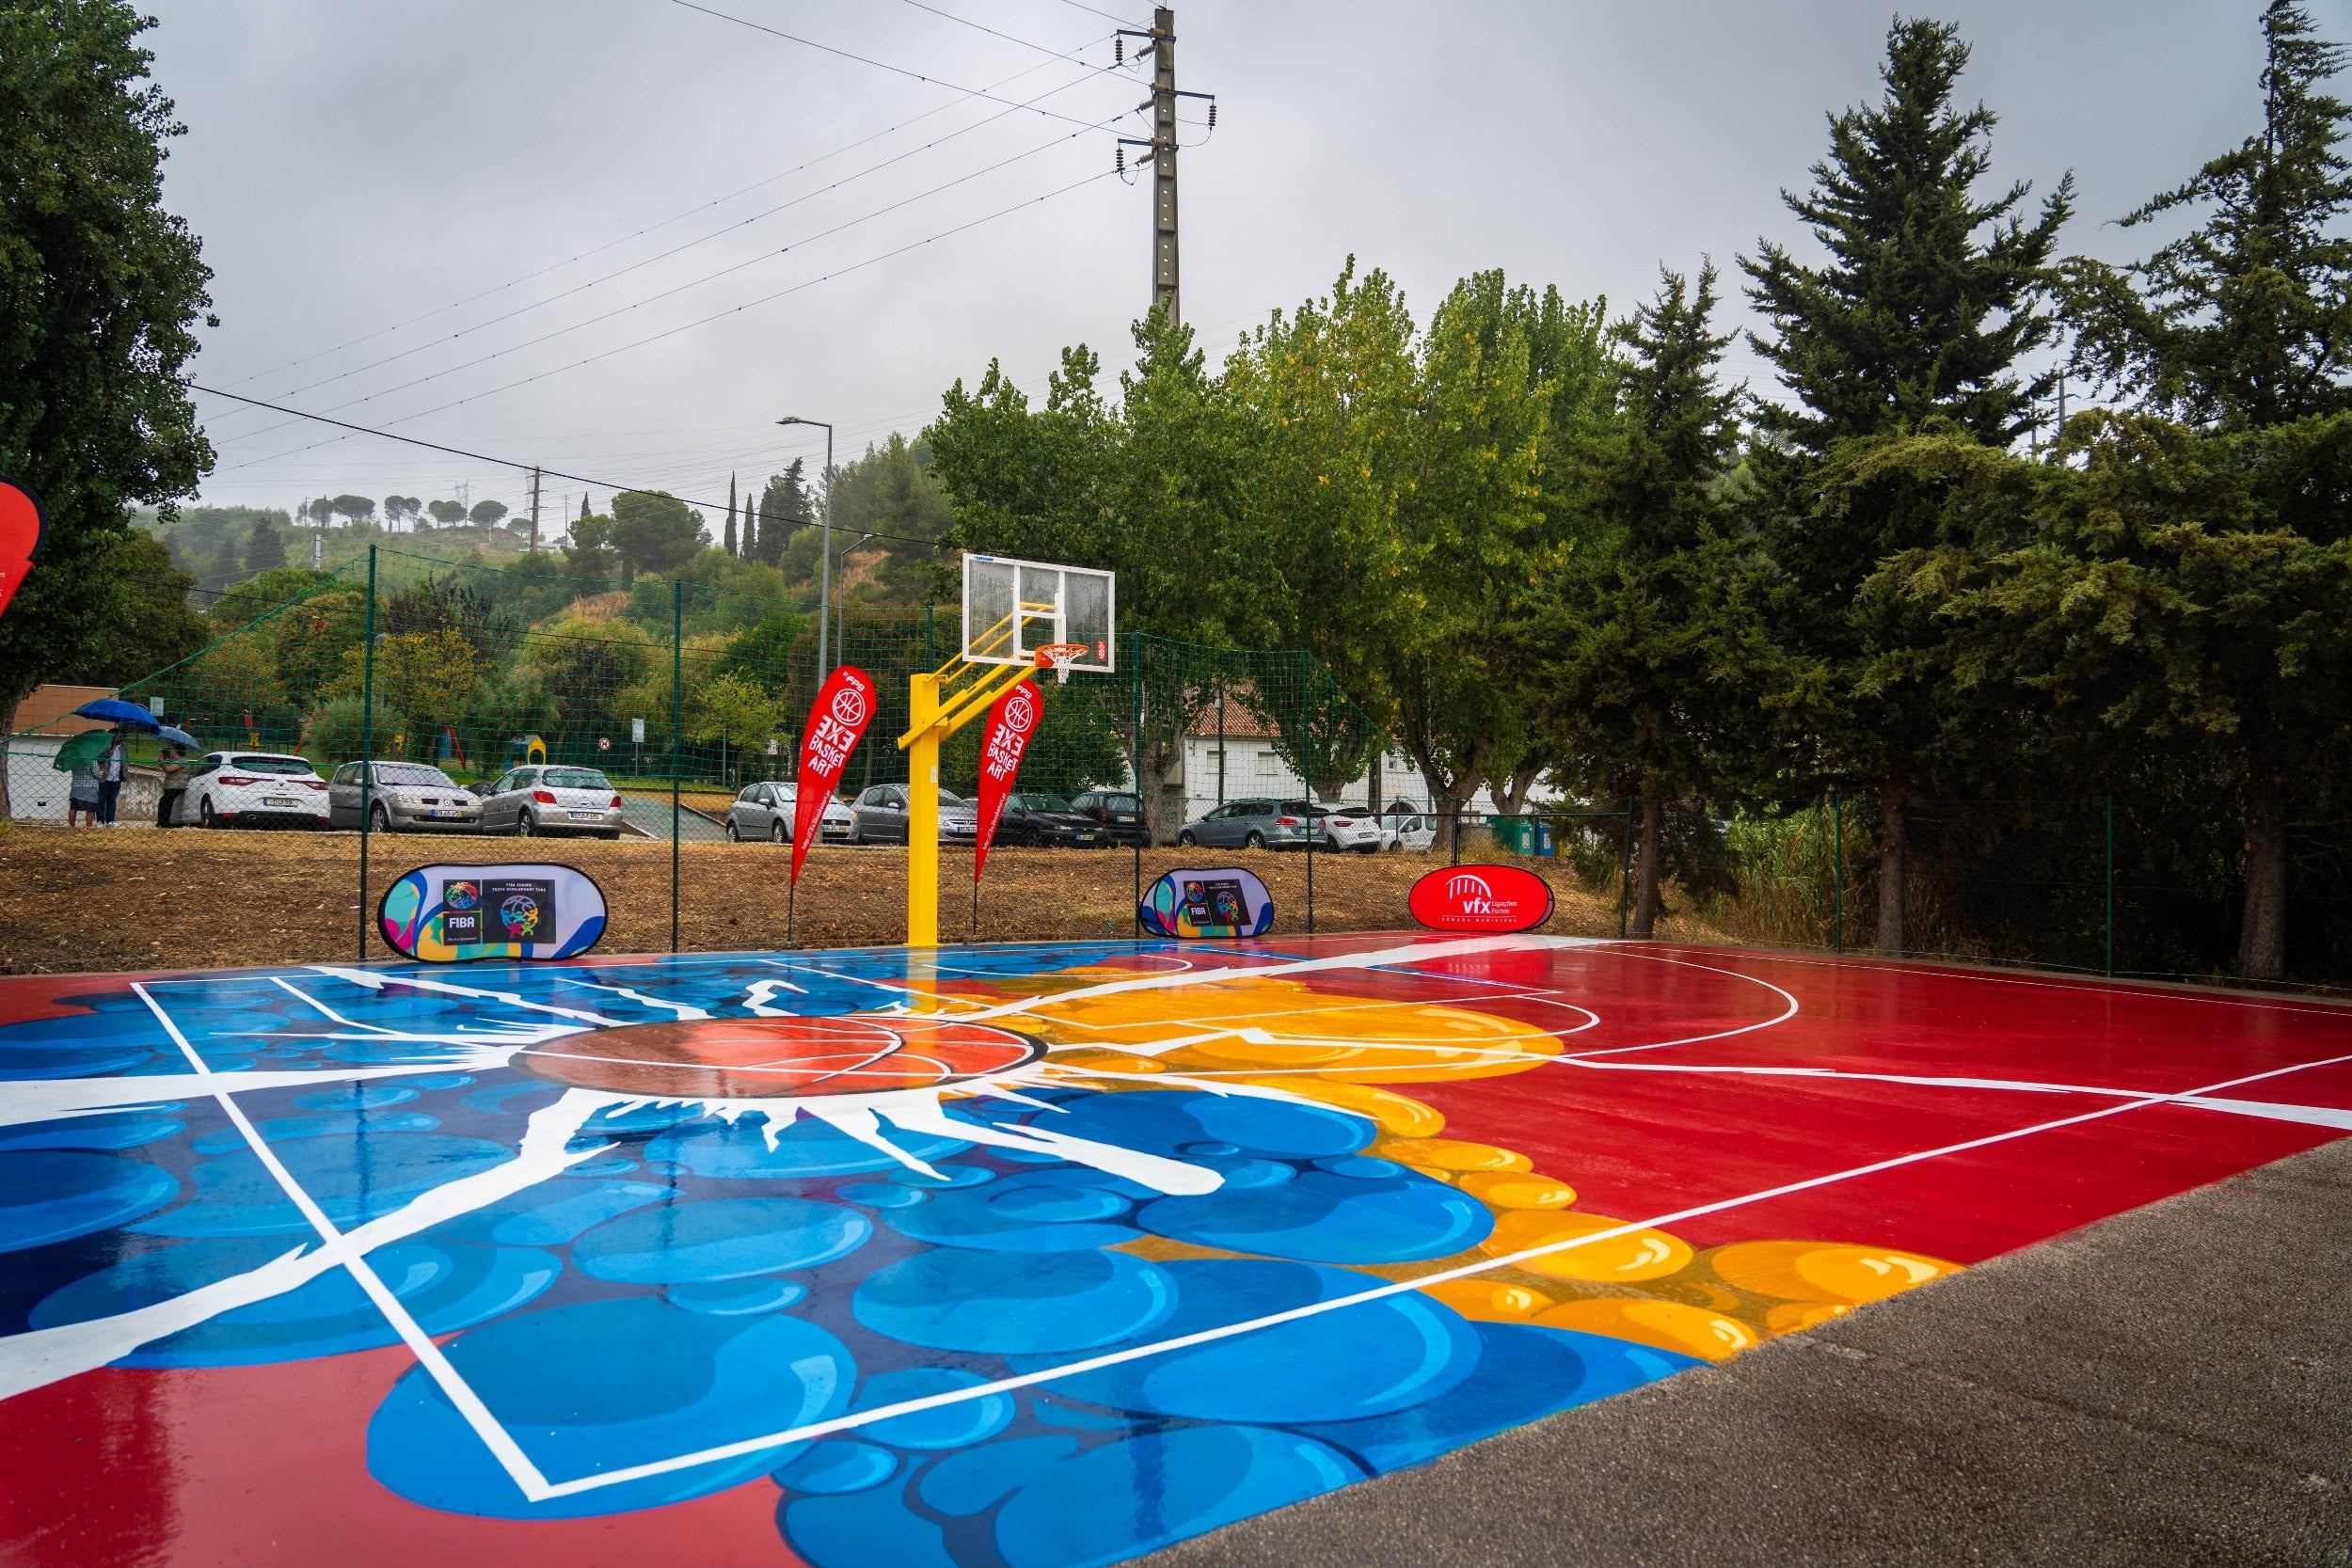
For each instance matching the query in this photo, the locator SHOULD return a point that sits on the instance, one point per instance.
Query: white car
(1413, 831)
(1343, 828)
(765, 810)
(253, 789)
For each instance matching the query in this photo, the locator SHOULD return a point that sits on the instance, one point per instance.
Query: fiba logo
(1021, 710)
(849, 707)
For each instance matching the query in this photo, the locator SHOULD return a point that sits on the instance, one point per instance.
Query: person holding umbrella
(174, 769)
(113, 765)
(81, 801)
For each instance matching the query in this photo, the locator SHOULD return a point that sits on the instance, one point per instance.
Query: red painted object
(22, 529)
(1011, 720)
(1481, 898)
(845, 706)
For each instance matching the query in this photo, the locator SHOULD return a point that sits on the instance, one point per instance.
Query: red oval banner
(1481, 898)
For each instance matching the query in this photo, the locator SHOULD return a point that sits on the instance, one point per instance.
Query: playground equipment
(1019, 617)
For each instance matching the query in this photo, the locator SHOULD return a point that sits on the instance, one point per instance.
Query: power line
(676, 217)
(1076, 5)
(704, 321)
(648, 299)
(679, 249)
(501, 462)
(1009, 38)
(863, 59)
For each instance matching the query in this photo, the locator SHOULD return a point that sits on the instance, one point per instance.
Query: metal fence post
(367, 748)
(678, 722)
(1307, 780)
(1143, 818)
(1625, 876)
(1454, 836)
(2110, 887)
(1837, 872)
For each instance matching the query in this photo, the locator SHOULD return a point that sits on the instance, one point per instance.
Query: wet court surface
(1022, 1256)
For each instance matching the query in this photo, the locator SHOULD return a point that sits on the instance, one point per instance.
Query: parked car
(253, 789)
(1265, 824)
(1415, 831)
(881, 817)
(402, 796)
(542, 799)
(1044, 822)
(765, 811)
(1119, 813)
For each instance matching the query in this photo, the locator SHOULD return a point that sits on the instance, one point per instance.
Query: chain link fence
(515, 718)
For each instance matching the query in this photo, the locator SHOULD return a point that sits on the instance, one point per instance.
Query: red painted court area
(1657, 1153)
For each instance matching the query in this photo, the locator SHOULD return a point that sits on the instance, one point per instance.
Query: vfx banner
(836, 722)
(458, 913)
(1481, 898)
(1010, 723)
(1227, 902)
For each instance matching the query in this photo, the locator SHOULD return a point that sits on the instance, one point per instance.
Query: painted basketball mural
(1010, 1258)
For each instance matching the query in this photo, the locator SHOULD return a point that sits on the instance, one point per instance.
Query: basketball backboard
(1012, 609)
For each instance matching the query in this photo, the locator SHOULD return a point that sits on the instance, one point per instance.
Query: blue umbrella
(177, 737)
(114, 710)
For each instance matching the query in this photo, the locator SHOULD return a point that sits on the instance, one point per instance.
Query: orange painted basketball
(779, 1058)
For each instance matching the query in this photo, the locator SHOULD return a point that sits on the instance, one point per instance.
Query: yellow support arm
(938, 704)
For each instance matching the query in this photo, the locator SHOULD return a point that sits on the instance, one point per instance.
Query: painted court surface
(1023, 1256)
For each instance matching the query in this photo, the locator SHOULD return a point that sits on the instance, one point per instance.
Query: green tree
(447, 514)
(726, 540)
(422, 681)
(486, 514)
(359, 509)
(258, 595)
(148, 624)
(1914, 321)
(784, 508)
(892, 493)
(101, 289)
(307, 639)
(265, 548)
(655, 531)
(734, 712)
(1648, 635)
(588, 555)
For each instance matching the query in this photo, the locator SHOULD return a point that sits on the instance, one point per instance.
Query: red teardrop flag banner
(1011, 723)
(836, 722)
(20, 538)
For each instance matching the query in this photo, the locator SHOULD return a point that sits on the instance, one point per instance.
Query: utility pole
(1161, 154)
(535, 512)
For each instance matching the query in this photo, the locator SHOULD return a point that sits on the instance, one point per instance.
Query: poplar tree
(726, 540)
(1911, 324)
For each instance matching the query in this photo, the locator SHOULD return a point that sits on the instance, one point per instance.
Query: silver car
(541, 799)
(1259, 824)
(765, 811)
(882, 817)
(406, 796)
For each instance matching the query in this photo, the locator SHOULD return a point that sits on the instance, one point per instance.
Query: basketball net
(1060, 657)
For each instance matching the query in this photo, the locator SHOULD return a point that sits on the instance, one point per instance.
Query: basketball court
(1019, 1256)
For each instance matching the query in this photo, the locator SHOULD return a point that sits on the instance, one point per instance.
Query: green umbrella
(81, 748)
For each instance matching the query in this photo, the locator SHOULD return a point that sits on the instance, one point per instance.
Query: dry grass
(90, 900)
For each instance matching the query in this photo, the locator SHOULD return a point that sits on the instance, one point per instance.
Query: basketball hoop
(1059, 656)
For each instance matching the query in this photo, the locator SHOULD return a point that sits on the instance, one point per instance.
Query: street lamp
(824, 555)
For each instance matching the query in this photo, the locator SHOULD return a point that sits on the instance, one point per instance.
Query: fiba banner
(1010, 723)
(1481, 898)
(1228, 902)
(21, 531)
(446, 914)
(836, 722)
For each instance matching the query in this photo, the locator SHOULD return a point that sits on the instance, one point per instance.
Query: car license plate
(1085, 838)
(286, 801)
(583, 816)
(438, 813)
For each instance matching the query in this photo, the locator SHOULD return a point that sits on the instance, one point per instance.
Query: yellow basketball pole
(923, 813)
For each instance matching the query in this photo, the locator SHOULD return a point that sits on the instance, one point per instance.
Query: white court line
(2090, 986)
(500, 1442)
(1184, 1341)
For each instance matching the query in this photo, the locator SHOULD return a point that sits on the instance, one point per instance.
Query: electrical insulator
(1211, 114)
(1119, 50)
(1119, 155)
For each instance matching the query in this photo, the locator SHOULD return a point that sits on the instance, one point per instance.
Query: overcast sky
(355, 172)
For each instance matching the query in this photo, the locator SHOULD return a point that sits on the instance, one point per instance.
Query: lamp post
(824, 555)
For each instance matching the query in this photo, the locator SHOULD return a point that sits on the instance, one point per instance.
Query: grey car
(765, 810)
(539, 800)
(881, 815)
(404, 797)
(1265, 824)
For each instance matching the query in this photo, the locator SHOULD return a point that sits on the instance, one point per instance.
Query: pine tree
(726, 540)
(265, 549)
(1648, 637)
(1910, 329)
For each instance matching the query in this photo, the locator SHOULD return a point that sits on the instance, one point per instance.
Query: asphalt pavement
(2169, 1386)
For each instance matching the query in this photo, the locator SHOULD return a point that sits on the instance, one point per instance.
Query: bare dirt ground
(91, 900)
